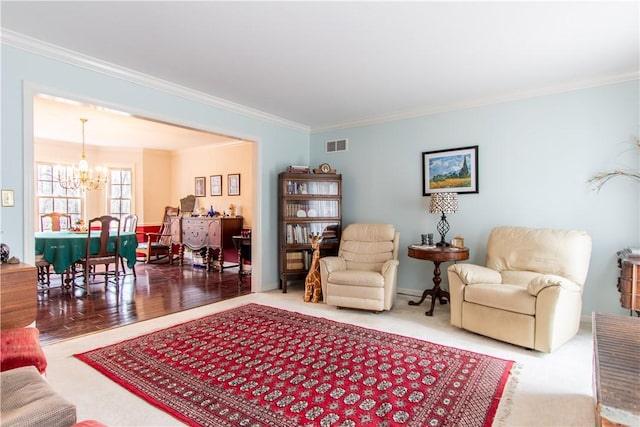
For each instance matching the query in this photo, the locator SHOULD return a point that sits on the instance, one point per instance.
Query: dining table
(62, 249)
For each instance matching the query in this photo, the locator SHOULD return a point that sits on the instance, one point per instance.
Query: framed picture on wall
(200, 190)
(234, 184)
(215, 184)
(7, 198)
(450, 171)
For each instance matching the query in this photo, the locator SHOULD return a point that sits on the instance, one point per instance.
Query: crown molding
(20, 41)
(23, 42)
(481, 102)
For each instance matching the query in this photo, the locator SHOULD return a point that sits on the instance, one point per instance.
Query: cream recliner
(529, 293)
(364, 273)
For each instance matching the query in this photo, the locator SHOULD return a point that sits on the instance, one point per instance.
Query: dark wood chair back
(105, 223)
(107, 254)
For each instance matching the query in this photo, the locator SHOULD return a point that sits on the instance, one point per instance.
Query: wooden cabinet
(629, 281)
(215, 234)
(18, 295)
(308, 204)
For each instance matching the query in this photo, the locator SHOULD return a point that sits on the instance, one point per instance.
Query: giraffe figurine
(312, 285)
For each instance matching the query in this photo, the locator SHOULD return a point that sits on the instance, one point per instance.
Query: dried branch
(602, 178)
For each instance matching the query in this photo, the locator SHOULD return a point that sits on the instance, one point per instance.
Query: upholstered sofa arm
(471, 273)
(333, 263)
(537, 284)
(327, 265)
(388, 266)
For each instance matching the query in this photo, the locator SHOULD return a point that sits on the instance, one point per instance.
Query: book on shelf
(297, 233)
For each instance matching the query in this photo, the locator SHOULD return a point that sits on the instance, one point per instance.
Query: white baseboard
(410, 292)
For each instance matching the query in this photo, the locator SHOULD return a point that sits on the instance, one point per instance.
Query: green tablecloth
(63, 248)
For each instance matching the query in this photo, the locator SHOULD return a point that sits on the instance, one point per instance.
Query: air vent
(337, 145)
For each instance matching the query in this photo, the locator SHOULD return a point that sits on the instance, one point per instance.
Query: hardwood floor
(159, 289)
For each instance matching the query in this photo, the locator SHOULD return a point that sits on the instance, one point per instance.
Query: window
(51, 197)
(120, 192)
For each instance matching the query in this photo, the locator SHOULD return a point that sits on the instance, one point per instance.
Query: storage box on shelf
(310, 203)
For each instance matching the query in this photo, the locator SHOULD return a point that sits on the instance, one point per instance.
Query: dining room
(147, 165)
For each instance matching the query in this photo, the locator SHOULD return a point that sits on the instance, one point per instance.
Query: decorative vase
(4, 253)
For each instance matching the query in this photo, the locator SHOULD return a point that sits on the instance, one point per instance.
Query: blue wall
(535, 157)
(277, 146)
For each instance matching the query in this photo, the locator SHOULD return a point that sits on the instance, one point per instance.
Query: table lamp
(443, 203)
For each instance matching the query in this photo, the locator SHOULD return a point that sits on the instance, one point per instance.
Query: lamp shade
(443, 203)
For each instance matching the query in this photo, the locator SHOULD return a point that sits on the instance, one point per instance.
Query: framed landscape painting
(450, 171)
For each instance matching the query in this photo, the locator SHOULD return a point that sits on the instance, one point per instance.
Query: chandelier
(81, 177)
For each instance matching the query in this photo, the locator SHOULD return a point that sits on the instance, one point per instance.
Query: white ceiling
(330, 64)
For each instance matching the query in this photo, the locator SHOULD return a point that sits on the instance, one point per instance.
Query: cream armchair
(364, 273)
(529, 293)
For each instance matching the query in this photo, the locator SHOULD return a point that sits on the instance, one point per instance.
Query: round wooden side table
(437, 255)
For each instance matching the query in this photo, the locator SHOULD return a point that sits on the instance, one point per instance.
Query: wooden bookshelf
(310, 203)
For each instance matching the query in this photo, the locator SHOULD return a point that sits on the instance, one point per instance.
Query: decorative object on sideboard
(187, 205)
(600, 179)
(82, 177)
(443, 203)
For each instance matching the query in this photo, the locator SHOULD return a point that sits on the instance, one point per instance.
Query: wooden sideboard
(18, 295)
(214, 234)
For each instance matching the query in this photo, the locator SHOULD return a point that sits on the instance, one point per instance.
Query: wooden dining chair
(107, 254)
(53, 221)
(129, 224)
(158, 245)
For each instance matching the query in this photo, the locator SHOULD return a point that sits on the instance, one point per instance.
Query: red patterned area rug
(261, 366)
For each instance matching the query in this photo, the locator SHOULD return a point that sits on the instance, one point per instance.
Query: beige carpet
(549, 389)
